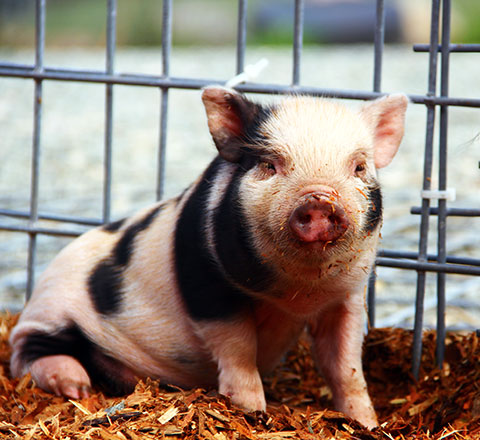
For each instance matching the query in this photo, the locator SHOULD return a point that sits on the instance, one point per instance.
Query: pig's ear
(387, 118)
(229, 114)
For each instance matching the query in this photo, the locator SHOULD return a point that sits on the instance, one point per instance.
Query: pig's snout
(319, 218)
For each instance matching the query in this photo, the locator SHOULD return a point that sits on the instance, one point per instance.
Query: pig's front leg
(233, 345)
(337, 347)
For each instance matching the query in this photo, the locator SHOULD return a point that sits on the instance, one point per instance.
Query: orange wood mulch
(442, 405)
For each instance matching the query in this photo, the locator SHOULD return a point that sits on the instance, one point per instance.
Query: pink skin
(153, 335)
(319, 218)
(337, 348)
(64, 375)
(61, 375)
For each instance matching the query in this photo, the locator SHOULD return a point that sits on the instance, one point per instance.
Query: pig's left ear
(387, 118)
(229, 115)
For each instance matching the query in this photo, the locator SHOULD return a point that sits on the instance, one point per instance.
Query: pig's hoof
(62, 375)
(366, 417)
(250, 403)
(370, 421)
(248, 400)
(245, 390)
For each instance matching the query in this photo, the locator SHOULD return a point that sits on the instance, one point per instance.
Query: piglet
(212, 287)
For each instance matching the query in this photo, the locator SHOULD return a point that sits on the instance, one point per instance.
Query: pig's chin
(312, 254)
(319, 250)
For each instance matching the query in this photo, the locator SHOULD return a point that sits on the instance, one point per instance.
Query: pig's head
(309, 190)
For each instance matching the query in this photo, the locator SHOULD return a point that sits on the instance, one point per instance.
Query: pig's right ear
(229, 115)
(387, 118)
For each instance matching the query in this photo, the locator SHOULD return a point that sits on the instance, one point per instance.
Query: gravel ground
(72, 142)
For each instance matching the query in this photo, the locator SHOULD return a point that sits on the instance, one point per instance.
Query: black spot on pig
(124, 247)
(210, 291)
(234, 244)
(253, 141)
(185, 359)
(105, 286)
(71, 341)
(114, 226)
(205, 290)
(105, 281)
(375, 209)
(252, 129)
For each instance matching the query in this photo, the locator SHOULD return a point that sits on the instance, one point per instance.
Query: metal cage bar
(420, 261)
(466, 48)
(297, 41)
(430, 257)
(427, 173)
(450, 212)
(15, 70)
(36, 152)
(166, 52)
(379, 42)
(241, 35)
(109, 69)
(442, 184)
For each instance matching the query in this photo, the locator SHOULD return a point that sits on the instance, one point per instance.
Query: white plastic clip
(448, 194)
(251, 72)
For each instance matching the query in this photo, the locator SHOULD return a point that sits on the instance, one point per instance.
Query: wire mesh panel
(437, 103)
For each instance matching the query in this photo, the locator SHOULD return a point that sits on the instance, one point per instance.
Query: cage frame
(434, 101)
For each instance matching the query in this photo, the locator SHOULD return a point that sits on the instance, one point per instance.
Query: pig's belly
(162, 347)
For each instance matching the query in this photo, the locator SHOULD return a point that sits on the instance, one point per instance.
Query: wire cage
(436, 100)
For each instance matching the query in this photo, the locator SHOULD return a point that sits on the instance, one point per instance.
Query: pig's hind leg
(62, 375)
(66, 363)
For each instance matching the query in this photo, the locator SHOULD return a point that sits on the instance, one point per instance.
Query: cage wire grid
(420, 261)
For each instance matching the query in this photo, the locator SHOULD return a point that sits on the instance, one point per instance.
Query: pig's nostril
(305, 219)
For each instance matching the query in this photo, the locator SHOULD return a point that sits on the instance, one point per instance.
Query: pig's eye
(360, 170)
(268, 168)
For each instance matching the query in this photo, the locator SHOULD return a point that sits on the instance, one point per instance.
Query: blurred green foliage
(195, 22)
(139, 22)
(468, 30)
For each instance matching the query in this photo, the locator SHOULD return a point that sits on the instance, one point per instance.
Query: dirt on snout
(441, 405)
